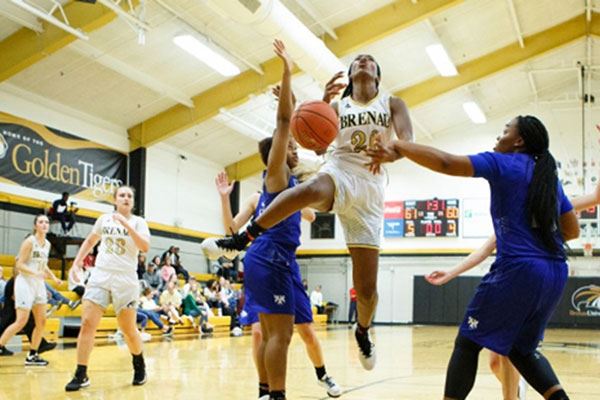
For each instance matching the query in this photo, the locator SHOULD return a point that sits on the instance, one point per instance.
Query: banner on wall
(393, 223)
(580, 303)
(39, 157)
(477, 220)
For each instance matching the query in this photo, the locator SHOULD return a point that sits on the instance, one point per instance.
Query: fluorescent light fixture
(207, 55)
(439, 57)
(474, 112)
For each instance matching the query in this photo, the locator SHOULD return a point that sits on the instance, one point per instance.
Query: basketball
(314, 125)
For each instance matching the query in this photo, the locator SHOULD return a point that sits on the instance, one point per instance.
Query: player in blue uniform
(532, 219)
(513, 387)
(303, 316)
(272, 280)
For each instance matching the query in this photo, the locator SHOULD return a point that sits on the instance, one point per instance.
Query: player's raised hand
(333, 87)
(279, 49)
(223, 186)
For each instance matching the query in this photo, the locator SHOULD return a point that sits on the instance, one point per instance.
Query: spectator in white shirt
(316, 299)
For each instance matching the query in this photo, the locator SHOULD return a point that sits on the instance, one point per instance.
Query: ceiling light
(439, 57)
(474, 112)
(207, 55)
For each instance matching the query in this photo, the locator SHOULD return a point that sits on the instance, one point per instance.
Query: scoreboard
(422, 218)
(590, 213)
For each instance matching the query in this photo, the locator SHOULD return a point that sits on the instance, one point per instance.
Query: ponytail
(542, 197)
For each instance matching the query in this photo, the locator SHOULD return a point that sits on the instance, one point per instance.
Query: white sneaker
(366, 353)
(333, 390)
(145, 336)
(265, 397)
(117, 336)
(237, 332)
(213, 251)
(522, 388)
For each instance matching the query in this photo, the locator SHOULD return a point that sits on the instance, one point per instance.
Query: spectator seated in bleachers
(141, 267)
(193, 309)
(64, 212)
(173, 255)
(152, 278)
(167, 273)
(225, 268)
(211, 294)
(152, 311)
(170, 301)
(316, 300)
(228, 303)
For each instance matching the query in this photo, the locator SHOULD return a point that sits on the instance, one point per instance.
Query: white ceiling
(468, 30)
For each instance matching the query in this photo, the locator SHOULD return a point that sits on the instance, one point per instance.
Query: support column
(137, 178)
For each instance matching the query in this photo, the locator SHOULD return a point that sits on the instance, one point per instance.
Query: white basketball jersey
(118, 251)
(359, 123)
(38, 258)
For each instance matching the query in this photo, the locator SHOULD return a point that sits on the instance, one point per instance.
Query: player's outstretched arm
(475, 258)
(586, 201)
(426, 156)
(277, 177)
(233, 224)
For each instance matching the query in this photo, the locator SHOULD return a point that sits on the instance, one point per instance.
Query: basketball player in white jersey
(344, 185)
(113, 280)
(30, 290)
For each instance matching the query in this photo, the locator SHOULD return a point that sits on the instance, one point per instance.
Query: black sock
(254, 230)
(138, 360)
(559, 395)
(81, 371)
(263, 389)
(32, 352)
(320, 372)
(361, 330)
(277, 395)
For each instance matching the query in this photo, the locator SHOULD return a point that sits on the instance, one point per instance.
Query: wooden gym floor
(411, 365)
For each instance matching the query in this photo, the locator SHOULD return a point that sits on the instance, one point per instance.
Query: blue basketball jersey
(287, 232)
(509, 176)
(272, 279)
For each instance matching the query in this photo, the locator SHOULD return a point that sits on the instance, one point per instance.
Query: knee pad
(559, 395)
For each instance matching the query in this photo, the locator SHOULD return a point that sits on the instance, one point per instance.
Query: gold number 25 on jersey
(358, 140)
(115, 246)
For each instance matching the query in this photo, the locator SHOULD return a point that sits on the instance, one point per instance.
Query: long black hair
(348, 90)
(542, 197)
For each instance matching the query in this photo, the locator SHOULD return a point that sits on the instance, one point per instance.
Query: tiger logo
(586, 299)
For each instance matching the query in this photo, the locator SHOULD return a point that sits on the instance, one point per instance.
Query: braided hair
(542, 197)
(348, 90)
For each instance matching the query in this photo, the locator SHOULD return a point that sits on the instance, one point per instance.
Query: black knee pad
(466, 344)
(536, 369)
(559, 395)
(462, 368)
